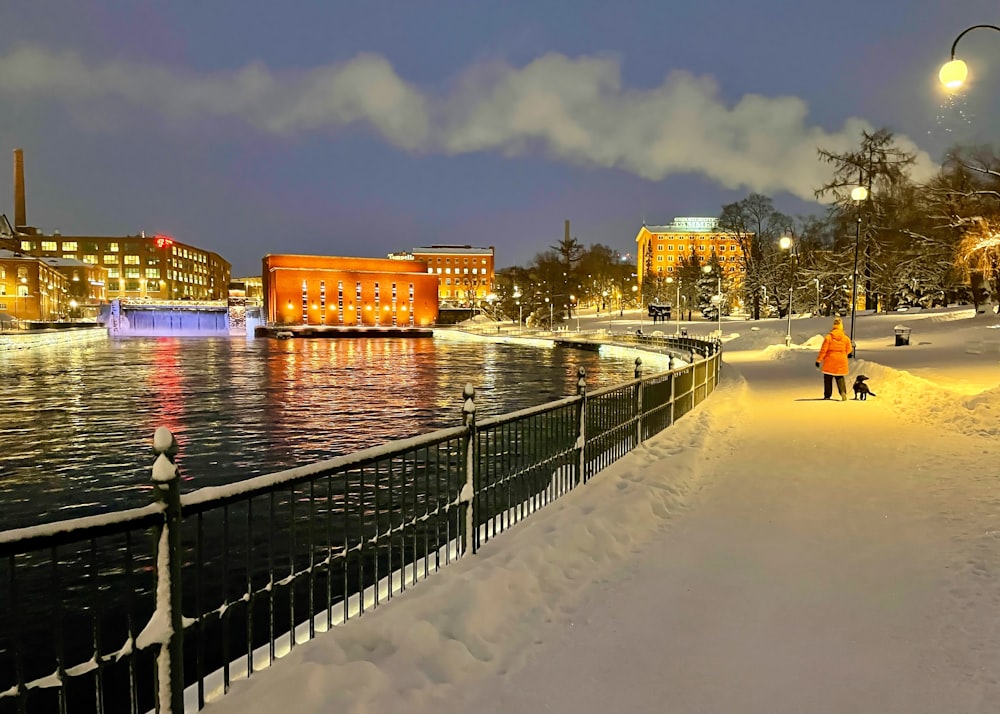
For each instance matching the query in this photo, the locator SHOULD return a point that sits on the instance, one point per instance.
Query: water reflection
(78, 420)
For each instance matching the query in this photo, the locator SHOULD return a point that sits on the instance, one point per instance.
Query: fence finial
(638, 367)
(581, 380)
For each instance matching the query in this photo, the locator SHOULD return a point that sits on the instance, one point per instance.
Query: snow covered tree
(755, 225)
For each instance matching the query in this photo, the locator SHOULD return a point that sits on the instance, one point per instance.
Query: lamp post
(816, 280)
(954, 72)
(858, 194)
(788, 243)
(572, 304)
(551, 321)
(611, 312)
(677, 304)
(717, 299)
(517, 298)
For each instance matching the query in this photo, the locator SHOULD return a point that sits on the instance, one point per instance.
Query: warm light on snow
(770, 552)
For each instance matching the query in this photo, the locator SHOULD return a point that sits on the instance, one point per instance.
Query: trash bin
(684, 332)
(902, 335)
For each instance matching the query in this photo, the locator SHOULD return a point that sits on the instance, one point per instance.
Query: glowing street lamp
(788, 243)
(517, 297)
(677, 305)
(717, 299)
(954, 72)
(859, 194)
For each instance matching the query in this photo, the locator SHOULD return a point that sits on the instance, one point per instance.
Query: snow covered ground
(772, 552)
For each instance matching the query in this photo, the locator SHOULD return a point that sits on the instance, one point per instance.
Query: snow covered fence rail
(162, 607)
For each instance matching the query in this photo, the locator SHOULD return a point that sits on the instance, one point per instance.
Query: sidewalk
(772, 552)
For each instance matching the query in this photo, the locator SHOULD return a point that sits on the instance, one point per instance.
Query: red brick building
(336, 291)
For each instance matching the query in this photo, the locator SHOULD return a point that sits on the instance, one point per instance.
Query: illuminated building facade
(337, 291)
(465, 273)
(141, 267)
(30, 289)
(662, 248)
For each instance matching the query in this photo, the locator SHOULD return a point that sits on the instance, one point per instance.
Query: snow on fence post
(465, 498)
(638, 401)
(581, 443)
(166, 626)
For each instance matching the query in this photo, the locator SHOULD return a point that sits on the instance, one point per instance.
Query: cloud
(572, 110)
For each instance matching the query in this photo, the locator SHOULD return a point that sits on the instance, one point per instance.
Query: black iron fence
(161, 607)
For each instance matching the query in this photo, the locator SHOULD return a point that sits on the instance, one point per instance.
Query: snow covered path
(859, 580)
(771, 552)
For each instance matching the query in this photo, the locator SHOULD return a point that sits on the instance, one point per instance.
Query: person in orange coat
(832, 359)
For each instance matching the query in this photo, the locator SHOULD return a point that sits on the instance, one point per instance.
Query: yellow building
(141, 267)
(30, 289)
(465, 273)
(662, 248)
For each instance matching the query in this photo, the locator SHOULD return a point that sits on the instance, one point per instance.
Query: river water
(77, 421)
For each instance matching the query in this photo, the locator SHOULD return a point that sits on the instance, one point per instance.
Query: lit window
(112, 247)
(92, 259)
(69, 245)
(110, 259)
(131, 260)
(49, 245)
(27, 245)
(152, 272)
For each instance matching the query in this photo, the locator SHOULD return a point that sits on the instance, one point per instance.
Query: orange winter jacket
(833, 354)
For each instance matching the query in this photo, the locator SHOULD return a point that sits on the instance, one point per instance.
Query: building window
(113, 286)
(91, 259)
(131, 260)
(152, 272)
(112, 247)
(131, 286)
(27, 245)
(70, 245)
(49, 245)
(110, 259)
(113, 273)
(132, 273)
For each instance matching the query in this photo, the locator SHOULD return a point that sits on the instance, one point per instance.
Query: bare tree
(755, 225)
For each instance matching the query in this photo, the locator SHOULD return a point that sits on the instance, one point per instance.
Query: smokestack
(19, 212)
(567, 227)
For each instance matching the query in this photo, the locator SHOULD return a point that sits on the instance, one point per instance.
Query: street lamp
(611, 312)
(954, 72)
(677, 305)
(718, 296)
(788, 243)
(572, 304)
(551, 321)
(859, 194)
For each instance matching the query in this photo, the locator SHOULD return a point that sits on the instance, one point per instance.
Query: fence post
(466, 498)
(638, 401)
(166, 626)
(581, 390)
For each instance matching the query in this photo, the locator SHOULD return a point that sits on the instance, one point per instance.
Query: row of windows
(458, 281)
(701, 247)
(92, 249)
(458, 271)
(721, 258)
(465, 261)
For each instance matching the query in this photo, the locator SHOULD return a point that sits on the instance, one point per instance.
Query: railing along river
(155, 607)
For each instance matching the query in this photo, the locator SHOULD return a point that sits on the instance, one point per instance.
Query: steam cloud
(572, 110)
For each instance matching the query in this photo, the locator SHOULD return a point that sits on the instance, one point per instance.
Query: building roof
(453, 249)
(66, 263)
(693, 224)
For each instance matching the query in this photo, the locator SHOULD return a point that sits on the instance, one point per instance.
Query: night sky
(359, 128)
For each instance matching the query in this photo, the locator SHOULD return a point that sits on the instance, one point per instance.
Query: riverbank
(26, 340)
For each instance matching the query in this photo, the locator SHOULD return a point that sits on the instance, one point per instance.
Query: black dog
(861, 390)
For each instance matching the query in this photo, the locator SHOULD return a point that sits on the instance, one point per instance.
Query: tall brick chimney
(567, 230)
(20, 219)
